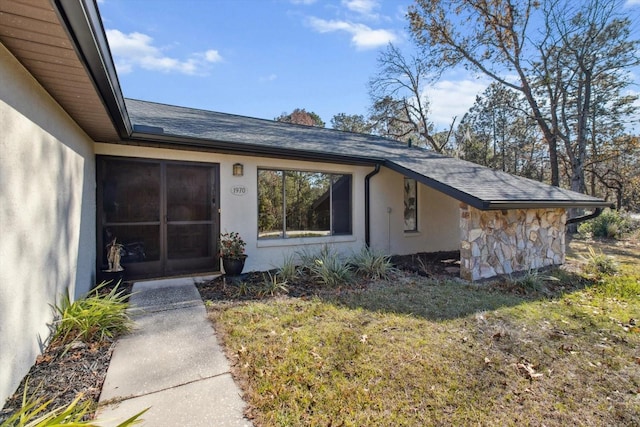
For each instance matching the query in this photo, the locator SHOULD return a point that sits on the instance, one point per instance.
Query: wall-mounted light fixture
(238, 169)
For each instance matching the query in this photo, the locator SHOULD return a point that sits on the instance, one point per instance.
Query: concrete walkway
(171, 362)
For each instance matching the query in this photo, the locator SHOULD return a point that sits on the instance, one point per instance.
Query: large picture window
(303, 204)
(410, 205)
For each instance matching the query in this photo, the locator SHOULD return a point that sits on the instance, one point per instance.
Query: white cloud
(212, 56)
(269, 78)
(362, 36)
(452, 98)
(137, 50)
(363, 7)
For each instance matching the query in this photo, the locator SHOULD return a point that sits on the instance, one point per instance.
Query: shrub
(35, 412)
(598, 264)
(530, 281)
(329, 268)
(371, 265)
(272, 286)
(288, 271)
(609, 223)
(93, 318)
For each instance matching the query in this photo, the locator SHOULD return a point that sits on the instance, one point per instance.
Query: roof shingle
(468, 182)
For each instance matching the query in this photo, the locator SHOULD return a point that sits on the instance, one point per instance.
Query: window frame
(406, 195)
(284, 233)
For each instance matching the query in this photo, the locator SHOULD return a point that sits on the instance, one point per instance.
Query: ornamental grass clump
(598, 264)
(232, 246)
(371, 265)
(96, 317)
(36, 412)
(330, 269)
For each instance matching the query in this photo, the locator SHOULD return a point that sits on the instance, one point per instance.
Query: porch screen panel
(131, 192)
(140, 242)
(188, 193)
(131, 209)
(189, 226)
(189, 241)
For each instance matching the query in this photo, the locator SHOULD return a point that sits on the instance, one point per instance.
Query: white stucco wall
(438, 223)
(240, 212)
(47, 216)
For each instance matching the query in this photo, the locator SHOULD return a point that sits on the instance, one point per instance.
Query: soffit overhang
(63, 46)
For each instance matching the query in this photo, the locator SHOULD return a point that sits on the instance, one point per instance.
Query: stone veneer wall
(502, 242)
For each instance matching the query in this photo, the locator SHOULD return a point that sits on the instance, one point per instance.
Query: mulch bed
(437, 265)
(63, 372)
(430, 264)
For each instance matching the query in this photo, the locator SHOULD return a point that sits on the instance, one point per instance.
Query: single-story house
(81, 165)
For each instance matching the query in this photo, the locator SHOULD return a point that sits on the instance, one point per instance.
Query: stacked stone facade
(503, 242)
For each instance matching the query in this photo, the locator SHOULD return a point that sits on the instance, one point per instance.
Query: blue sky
(261, 58)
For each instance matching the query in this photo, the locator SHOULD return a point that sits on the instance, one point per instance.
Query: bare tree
(555, 62)
(400, 105)
(585, 57)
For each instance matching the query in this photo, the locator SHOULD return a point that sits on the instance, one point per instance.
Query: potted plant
(232, 253)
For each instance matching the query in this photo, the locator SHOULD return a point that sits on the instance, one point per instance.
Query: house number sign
(239, 190)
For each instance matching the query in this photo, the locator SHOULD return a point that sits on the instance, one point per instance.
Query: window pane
(307, 204)
(341, 199)
(303, 203)
(410, 205)
(270, 204)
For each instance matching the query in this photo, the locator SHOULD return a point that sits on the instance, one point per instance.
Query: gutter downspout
(578, 219)
(367, 208)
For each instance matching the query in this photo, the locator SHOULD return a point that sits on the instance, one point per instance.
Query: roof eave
(209, 145)
(82, 21)
(535, 204)
(489, 205)
(437, 185)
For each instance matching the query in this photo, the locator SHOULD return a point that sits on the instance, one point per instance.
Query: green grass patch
(412, 351)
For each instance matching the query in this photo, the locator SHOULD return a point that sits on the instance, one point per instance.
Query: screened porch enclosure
(163, 213)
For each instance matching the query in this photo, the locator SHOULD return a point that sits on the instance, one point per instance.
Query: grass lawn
(415, 351)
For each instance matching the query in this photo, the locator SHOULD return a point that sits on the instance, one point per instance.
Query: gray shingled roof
(468, 182)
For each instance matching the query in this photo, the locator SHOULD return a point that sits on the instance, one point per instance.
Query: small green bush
(272, 286)
(531, 281)
(610, 223)
(288, 271)
(93, 318)
(371, 265)
(329, 267)
(35, 412)
(598, 264)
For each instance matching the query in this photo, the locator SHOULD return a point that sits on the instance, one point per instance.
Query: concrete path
(171, 362)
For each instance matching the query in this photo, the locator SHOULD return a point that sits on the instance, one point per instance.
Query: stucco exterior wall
(503, 242)
(239, 211)
(438, 224)
(47, 216)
